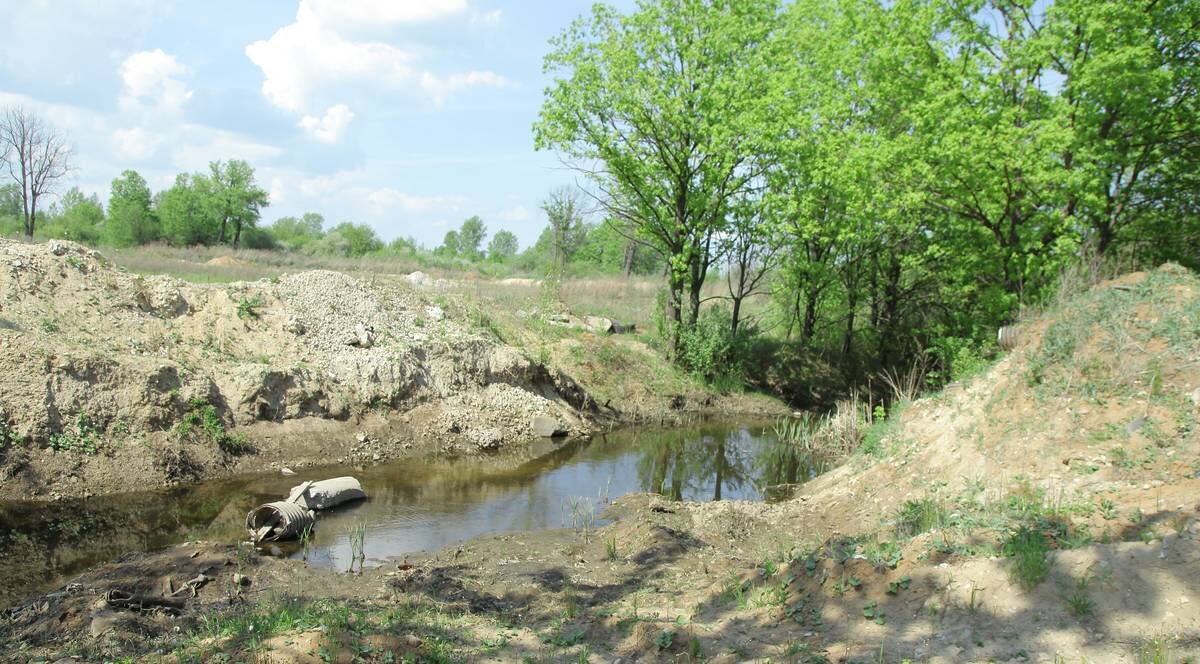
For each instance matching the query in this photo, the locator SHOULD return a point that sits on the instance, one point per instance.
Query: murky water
(413, 505)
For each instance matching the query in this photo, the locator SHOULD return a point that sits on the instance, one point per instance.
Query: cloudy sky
(409, 115)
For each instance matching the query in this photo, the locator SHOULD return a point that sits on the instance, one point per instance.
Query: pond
(413, 505)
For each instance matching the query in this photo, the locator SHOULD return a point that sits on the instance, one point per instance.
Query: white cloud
(439, 89)
(329, 128)
(151, 80)
(517, 213)
(386, 198)
(319, 53)
(306, 55)
(197, 145)
(135, 143)
(360, 14)
(278, 192)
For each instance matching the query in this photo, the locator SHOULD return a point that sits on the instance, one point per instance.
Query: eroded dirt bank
(111, 381)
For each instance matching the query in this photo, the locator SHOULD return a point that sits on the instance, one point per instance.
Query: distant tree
(568, 230)
(470, 238)
(235, 198)
(184, 211)
(296, 233)
(75, 217)
(130, 219)
(502, 247)
(450, 245)
(36, 156)
(403, 245)
(360, 238)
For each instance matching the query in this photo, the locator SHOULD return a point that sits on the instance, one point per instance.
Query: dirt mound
(227, 261)
(96, 362)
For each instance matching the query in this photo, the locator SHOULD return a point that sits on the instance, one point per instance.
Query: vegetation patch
(203, 422)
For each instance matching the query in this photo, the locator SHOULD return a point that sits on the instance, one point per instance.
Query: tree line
(901, 177)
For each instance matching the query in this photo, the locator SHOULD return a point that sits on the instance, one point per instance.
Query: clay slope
(94, 359)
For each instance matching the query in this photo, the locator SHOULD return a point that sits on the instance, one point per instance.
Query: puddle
(413, 505)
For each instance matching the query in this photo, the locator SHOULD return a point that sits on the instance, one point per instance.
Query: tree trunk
(810, 318)
(736, 315)
(627, 266)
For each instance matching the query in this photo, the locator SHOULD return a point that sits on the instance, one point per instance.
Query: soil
(1085, 435)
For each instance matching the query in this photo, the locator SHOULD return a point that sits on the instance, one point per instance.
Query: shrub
(918, 516)
(711, 350)
(1028, 548)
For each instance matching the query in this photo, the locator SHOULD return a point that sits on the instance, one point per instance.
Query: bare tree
(36, 156)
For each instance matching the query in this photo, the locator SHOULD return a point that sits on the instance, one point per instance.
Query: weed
(1028, 548)
(1108, 509)
(883, 555)
(1078, 602)
(895, 587)
(918, 516)
(582, 515)
(871, 612)
(306, 540)
(610, 548)
(1156, 650)
(202, 420)
(736, 590)
(248, 308)
(664, 640)
(81, 436)
(358, 537)
(49, 326)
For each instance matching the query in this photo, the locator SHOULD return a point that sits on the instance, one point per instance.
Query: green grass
(79, 436)
(1077, 599)
(1029, 550)
(202, 421)
(919, 516)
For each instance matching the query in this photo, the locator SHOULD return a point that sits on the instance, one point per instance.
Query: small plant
(883, 555)
(610, 548)
(1108, 509)
(358, 538)
(1028, 548)
(664, 640)
(306, 540)
(895, 587)
(736, 589)
(1078, 602)
(871, 612)
(248, 308)
(49, 325)
(918, 516)
(202, 420)
(582, 516)
(81, 436)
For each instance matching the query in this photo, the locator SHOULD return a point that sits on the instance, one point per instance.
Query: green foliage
(203, 422)
(78, 436)
(919, 516)
(74, 217)
(712, 351)
(503, 247)
(130, 218)
(470, 238)
(247, 308)
(1028, 548)
(295, 233)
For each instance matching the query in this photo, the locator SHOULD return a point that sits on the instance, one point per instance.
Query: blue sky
(408, 115)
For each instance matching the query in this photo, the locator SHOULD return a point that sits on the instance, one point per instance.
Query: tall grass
(837, 433)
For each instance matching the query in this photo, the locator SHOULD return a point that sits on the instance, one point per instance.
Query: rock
(435, 313)
(294, 326)
(486, 439)
(363, 337)
(1135, 425)
(103, 622)
(546, 427)
(243, 580)
(286, 472)
(420, 279)
(599, 324)
(58, 247)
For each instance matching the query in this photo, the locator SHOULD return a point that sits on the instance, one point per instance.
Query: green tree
(185, 213)
(130, 218)
(662, 110)
(75, 217)
(503, 247)
(295, 233)
(470, 238)
(450, 245)
(235, 199)
(360, 238)
(567, 231)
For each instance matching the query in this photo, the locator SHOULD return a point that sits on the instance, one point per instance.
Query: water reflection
(414, 505)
